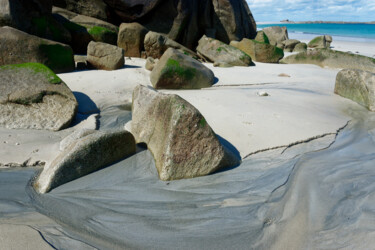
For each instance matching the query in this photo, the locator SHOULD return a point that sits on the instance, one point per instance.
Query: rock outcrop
(333, 59)
(219, 52)
(358, 86)
(92, 8)
(33, 17)
(290, 44)
(185, 21)
(176, 70)
(276, 34)
(320, 42)
(105, 56)
(178, 136)
(261, 52)
(300, 47)
(131, 38)
(19, 47)
(261, 37)
(156, 44)
(33, 97)
(89, 151)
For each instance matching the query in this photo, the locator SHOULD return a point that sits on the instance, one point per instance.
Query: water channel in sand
(319, 194)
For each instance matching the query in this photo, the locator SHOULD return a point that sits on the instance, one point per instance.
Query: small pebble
(283, 75)
(17, 143)
(5, 142)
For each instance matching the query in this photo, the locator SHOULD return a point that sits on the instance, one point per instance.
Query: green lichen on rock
(173, 69)
(202, 122)
(36, 68)
(59, 57)
(101, 34)
(46, 27)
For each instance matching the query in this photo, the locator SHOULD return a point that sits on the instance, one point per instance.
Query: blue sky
(308, 10)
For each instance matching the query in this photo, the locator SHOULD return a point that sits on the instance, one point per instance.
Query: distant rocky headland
(337, 22)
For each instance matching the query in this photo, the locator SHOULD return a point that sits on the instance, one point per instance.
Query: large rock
(33, 17)
(300, 47)
(99, 30)
(105, 56)
(357, 85)
(185, 21)
(85, 155)
(80, 35)
(290, 44)
(333, 59)
(156, 44)
(176, 70)
(19, 47)
(276, 34)
(219, 52)
(320, 42)
(261, 37)
(261, 52)
(92, 8)
(131, 38)
(178, 136)
(32, 96)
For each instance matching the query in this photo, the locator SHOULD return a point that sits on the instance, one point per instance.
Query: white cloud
(303, 10)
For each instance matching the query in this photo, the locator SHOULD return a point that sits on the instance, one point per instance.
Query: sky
(313, 10)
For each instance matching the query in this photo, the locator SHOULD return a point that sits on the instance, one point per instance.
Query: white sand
(299, 108)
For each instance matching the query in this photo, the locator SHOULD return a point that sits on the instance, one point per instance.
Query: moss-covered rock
(217, 51)
(276, 34)
(261, 52)
(333, 59)
(357, 85)
(262, 37)
(19, 47)
(300, 47)
(320, 42)
(290, 44)
(176, 70)
(32, 96)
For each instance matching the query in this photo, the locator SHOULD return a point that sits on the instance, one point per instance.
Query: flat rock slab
(32, 96)
(333, 59)
(87, 152)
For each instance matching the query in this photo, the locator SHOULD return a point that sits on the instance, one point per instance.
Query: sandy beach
(306, 180)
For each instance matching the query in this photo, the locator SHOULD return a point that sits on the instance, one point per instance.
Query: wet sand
(307, 179)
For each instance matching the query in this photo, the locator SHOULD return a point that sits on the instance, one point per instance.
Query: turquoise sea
(356, 31)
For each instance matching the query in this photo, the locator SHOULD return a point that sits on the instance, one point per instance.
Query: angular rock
(93, 8)
(131, 38)
(328, 40)
(33, 97)
(176, 70)
(19, 47)
(290, 44)
(276, 34)
(178, 136)
(99, 30)
(185, 21)
(150, 63)
(261, 52)
(217, 51)
(33, 17)
(358, 86)
(319, 42)
(261, 37)
(105, 56)
(156, 44)
(87, 154)
(300, 47)
(333, 59)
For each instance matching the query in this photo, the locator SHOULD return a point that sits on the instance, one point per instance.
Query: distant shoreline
(333, 22)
